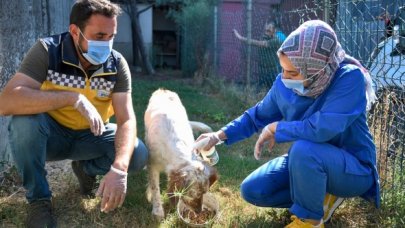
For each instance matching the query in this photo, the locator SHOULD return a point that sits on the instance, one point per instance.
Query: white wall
(146, 22)
(123, 40)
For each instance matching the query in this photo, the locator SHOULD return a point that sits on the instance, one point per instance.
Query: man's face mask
(299, 84)
(97, 51)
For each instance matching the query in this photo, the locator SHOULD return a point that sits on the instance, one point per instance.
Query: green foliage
(193, 18)
(393, 207)
(211, 108)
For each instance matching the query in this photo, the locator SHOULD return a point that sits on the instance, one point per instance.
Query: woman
(319, 103)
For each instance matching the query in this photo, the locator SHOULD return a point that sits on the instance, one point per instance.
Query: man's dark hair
(82, 10)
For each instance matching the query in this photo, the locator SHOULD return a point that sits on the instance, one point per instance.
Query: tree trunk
(19, 27)
(137, 38)
(21, 23)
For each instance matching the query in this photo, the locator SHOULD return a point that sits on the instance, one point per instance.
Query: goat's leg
(153, 193)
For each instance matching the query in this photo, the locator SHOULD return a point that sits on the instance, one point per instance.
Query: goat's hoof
(158, 213)
(148, 195)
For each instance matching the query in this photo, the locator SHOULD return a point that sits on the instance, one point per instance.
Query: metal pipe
(249, 37)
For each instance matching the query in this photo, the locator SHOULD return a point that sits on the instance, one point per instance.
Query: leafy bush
(194, 18)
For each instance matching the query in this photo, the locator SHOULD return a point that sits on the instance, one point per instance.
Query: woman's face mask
(97, 51)
(299, 84)
(294, 84)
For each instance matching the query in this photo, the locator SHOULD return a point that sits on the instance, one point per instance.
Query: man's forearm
(24, 100)
(125, 138)
(259, 43)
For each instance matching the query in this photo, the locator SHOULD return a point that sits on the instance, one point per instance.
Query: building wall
(58, 14)
(230, 17)
(123, 40)
(166, 43)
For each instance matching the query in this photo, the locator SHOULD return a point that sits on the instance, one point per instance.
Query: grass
(204, 104)
(386, 128)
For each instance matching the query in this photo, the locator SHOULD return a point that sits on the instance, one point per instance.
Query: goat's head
(190, 184)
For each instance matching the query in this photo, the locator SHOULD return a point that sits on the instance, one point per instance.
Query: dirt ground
(11, 185)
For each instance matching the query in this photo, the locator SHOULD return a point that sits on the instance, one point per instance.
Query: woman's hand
(267, 135)
(214, 139)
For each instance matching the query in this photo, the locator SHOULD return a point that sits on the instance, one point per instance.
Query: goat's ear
(213, 174)
(175, 182)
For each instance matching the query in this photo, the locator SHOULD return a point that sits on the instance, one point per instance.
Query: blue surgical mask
(97, 51)
(299, 84)
(294, 84)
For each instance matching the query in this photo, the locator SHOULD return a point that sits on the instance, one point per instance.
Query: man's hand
(113, 189)
(267, 135)
(89, 112)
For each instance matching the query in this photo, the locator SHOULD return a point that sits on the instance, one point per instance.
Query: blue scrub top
(338, 117)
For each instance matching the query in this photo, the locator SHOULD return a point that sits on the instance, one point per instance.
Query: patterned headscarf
(314, 50)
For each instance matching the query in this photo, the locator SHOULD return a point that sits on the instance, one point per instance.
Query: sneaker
(298, 223)
(40, 214)
(87, 183)
(330, 204)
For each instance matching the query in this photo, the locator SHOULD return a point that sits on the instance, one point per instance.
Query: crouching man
(61, 99)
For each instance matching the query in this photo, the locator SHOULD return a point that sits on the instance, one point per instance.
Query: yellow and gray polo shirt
(53, 61)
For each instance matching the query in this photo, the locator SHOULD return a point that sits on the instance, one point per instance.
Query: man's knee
(140, 157)
(22, 126)
(26, 130)
(25, 136)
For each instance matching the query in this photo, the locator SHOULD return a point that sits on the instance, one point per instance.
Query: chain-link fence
(242, 51)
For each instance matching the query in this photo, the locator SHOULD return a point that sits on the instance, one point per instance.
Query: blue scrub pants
(38, 138)
(301, 179)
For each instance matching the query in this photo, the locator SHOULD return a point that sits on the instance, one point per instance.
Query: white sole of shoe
(333, 208)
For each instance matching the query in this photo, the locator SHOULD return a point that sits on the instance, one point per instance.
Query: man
(388, 23)
(268, 46)
(61, 99)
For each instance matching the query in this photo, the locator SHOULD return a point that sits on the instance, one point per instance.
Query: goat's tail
(200, 127)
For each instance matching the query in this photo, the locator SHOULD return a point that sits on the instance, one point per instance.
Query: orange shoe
(298, 223)
(330, 204)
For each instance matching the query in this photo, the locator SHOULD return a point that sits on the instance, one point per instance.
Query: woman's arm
(344, 103)
(253, 119)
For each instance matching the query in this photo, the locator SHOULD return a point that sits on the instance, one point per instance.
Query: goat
(170, 139)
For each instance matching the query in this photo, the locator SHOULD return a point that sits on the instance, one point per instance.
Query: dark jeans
(38, 138)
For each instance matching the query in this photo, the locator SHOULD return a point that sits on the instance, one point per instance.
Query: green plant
(193, 18)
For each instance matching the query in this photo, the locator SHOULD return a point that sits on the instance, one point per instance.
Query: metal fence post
(215, 37)
(326, 12)
(249, 38)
